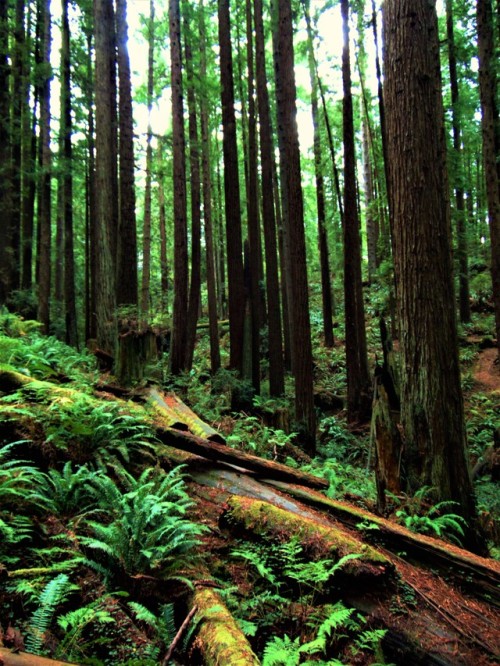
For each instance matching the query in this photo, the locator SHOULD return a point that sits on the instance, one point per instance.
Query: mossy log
(317, 538)
(478, 575)
(219, 452)
(219, 639)
(173, 406)
(9, 658)
(168, 417)
(11, 381)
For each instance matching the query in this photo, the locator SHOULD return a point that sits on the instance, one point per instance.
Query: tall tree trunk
(276, 368)
(5, 185)
(44, 219)
(70, 320)
(194, 162)
(253, 209)
(91, 258)
(146, 228)
(300, 329)
(106, 188)
(164, 283)
(207, 206)
(326, 287)
(491, 149)
(126, 274)
(372, 228)
(435, 451)
(232, 194)
(458, 173)
(358, 381)
(179, 315)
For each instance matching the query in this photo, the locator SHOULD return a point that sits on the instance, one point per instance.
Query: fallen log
(318, 539)
(9, 658)
(219, 452)
(478, 575)
(168, 416)
(219, 639)
(173, 405)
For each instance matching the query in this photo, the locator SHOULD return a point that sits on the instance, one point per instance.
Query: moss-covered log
(219, 639)
(480, 576)
(173, 407)
(219, 452)
(9, 658)
(317, 538)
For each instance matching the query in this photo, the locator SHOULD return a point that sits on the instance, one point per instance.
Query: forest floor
(487, 370)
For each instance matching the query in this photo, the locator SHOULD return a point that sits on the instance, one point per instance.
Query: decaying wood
(172, 404)
(325, 540)
(219, 639)
(478, 575)
(167, 415)
(8, 658)
(219, 452)
(179, 635)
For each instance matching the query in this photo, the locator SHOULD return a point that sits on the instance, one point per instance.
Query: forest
(249, 332)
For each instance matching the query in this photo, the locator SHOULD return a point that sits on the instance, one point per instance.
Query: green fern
(338, 617)
(281, 652)
(53, 595)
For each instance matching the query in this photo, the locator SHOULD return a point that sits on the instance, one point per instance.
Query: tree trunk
(45, 163)
(295, 249)
(276, 368)
(105, 185)
(232, 194)
(358, 401)
(435, 452)
(458, 173)
(70, 319)
(491, 149)
(207, 211)
(179, 314)
(6, 250)
(126, 272)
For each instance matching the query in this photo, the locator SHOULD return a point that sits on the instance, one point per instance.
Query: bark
(326, 287)
(146, 229)
(491, 147)
(105, 184)
(276, 368)
(207, 211)
(70, 319)
(295, 249)
(6, 250)
(371, 222)
(435, 451)
(194, 162)
(126, 272)
(179, 314)
(45, 163)
(232, 194)
(458, 173)
(219, 638)
(253, 210)
(214, 451)
(28, 160)
(9, 658)
(358, 402)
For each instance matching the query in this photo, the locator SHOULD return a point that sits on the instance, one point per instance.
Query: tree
(5, 202)
(105, 184)
(358, 380)
(126, 275)
(491, 142)
(232, 193)
(435, 452)
(179, 315)
(293, 221)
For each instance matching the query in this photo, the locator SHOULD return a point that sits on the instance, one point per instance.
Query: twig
(178, 635)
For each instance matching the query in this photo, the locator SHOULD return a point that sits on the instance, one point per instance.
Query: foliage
(150, 533)
(417, 515)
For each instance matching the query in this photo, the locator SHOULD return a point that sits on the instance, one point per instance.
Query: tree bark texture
(5, 201)
(179, 314)
(232, 194)
(105, 189)
(276, 368)
(435, 451)
(295, 248)
(491, 141)
(355, 344)
(126, 282)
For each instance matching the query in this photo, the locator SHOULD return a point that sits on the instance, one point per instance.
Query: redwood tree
(435, 451)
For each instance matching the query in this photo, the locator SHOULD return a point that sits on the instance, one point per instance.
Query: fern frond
(54, 594)
(281, 652)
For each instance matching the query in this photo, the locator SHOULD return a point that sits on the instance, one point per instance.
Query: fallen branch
(179, 635)
(9, 658)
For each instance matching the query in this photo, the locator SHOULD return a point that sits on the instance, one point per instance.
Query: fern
(53, 595)
(281, 652)
(338, 617)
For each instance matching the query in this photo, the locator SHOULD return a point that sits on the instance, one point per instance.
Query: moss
(264, 518)
(219, 638)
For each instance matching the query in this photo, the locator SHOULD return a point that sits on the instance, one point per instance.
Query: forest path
(487, 370)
